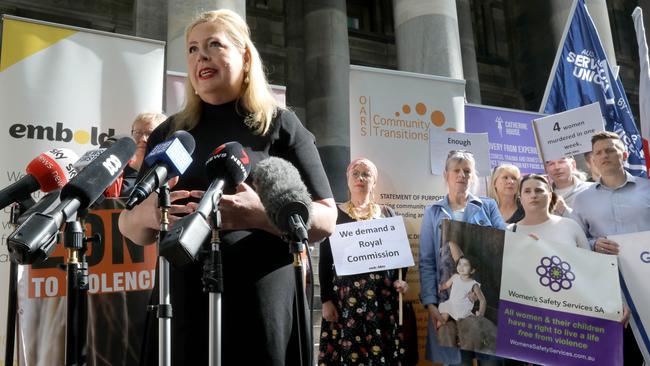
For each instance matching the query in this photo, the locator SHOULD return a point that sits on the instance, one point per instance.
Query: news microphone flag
(581, 75)
(644, 79)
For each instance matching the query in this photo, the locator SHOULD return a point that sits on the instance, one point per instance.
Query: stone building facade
(506, 47)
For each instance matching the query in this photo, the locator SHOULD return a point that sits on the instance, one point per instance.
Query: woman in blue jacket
(459, 205)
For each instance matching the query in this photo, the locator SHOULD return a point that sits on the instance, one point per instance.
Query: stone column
(426, 37)
(327, 89)
(600, 16)
(295, 46)
(150, 19)
(179, 14)
(468, 51)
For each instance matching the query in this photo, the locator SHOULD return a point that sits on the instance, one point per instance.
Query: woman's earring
(246, 72)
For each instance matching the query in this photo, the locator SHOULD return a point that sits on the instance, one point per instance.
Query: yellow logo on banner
(437, 117)
(23, 39)
(402, 124)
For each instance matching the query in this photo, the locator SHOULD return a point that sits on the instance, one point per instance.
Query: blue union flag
(583, 76)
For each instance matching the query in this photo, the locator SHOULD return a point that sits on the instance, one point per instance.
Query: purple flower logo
(555, 273)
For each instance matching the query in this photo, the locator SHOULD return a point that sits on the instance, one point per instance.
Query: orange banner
(114, 265)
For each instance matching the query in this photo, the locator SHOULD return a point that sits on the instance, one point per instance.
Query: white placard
(634, 264)
(567, 133)
(372, 245)
(445, 141)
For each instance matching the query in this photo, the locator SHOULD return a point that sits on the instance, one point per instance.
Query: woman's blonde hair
(256, 97)
(498, 171)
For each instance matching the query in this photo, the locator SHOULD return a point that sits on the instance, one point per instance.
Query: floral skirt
(366, 333)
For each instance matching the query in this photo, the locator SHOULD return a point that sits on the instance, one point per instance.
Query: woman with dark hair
(538, 201)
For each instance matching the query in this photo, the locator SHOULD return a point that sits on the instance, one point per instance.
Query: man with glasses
(141, 129)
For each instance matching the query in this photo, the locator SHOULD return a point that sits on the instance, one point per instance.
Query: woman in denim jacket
(459, 205)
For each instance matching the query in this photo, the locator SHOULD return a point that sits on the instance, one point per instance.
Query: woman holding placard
(538, 201)
(460, 205)
(360, 312)
(503, 188)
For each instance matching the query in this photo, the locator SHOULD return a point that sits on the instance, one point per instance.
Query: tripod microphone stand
(76, 244)
(296, 247)
(17, 209)
(164, 307)
(213, 283)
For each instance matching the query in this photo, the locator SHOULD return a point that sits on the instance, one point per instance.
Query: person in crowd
(460, 205)
(229, 99)
(141, 129)
(464, 289)
(567, 181)
(360, 312)
(538, 200)
(594, 175)
(503, 188)
(618, 203)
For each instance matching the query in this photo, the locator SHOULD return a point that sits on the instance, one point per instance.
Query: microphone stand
(17, 209)
(76, 244)
(213, 283)
(164, 307)
(296, 247)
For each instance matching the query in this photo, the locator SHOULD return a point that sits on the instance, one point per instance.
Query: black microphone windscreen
(91, 182)
(282, 192)
(230, 163)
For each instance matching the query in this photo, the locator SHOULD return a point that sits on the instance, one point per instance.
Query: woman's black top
(258, 277)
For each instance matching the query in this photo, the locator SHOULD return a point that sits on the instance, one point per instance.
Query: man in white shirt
(618, 203)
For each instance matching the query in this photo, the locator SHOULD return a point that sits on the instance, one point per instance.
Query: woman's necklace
(352, 211)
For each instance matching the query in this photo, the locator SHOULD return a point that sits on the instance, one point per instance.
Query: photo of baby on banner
(469, 285)
(521, 297)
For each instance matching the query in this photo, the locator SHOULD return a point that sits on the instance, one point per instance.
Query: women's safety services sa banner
(539, 296)
(65, 87)
(392, 116)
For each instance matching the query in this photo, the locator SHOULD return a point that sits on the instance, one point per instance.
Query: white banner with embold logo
(371, 245)
(66, 87)
(634, 264)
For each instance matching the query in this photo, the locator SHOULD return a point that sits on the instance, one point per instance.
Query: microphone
(227, 167)
(52, 199)
(35, 238)
(167, 160)
(47, 172)
(113, 191)
(284, 196)
(46, 203)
